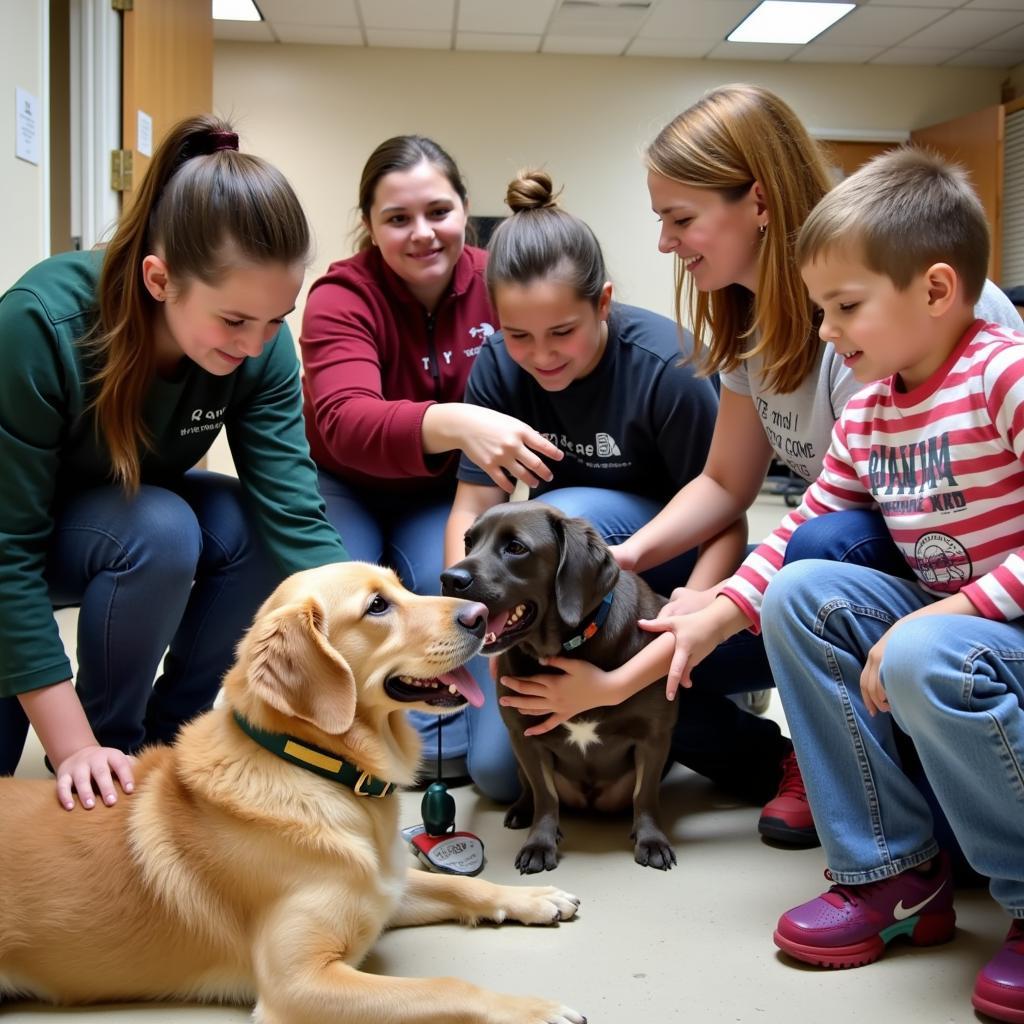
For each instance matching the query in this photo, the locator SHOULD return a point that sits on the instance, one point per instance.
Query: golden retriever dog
(235, 873)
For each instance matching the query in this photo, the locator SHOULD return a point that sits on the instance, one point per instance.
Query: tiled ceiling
(964, 33)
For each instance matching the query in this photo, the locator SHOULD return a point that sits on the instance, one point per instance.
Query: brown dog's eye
(515, 547)
(378, 606)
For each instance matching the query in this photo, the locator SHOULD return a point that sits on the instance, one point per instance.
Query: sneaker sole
(779, 832)
(997, 1010)
(927, 930)
(838, 957)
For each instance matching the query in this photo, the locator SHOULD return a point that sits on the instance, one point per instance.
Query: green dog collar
(313, 759)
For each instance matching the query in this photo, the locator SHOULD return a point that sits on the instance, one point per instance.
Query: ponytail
(206, 208)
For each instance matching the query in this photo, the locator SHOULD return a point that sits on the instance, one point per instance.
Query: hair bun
(531, 190)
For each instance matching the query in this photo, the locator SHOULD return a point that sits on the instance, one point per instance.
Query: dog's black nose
(455, 580)
(473, 617)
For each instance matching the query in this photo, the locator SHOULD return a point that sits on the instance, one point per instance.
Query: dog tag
(457, 853)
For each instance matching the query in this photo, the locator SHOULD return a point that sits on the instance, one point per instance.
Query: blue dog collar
(595, 624)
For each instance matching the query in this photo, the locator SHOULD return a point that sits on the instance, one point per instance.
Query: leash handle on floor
(436, 842)
(438, 806)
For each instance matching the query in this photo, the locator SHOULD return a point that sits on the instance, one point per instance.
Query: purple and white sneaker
(999, 988)
(850, 925)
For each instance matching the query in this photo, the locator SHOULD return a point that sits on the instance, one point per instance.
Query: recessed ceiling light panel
(235, 10)
(787, 21)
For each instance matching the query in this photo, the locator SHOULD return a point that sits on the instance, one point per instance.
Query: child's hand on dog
(696, 635)
(582, 687)
(89, 770)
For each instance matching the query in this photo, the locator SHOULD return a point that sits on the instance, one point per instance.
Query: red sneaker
(786, 818)
(850, 925)
(999, 988)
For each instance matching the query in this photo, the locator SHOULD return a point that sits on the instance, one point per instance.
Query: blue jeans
(405, 532)
(857, 536)
(178, 571)
(739, 751)
(956, 688)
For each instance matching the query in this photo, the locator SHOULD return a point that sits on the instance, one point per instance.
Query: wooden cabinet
(975, 141)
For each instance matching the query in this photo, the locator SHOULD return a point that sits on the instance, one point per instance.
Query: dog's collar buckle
(593, 626)
(366, 785)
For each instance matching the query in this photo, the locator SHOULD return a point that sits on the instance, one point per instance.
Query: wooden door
(167, 58)
(844, 157)
(975, 141)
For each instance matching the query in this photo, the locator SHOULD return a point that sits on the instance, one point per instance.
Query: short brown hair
(904, 211)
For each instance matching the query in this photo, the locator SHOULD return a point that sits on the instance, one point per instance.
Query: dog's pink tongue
(496, 623)
(465, 684)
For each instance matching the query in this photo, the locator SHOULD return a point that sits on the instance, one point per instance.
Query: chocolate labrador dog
(552, 587)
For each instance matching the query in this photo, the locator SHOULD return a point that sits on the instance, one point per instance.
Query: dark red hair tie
(223, 140)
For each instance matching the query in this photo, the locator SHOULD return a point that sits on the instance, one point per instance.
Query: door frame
(95, 45)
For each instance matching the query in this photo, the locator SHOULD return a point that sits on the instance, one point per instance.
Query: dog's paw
(537, 856)
(519, 1010)
(563, 1015)
(536, 904)
(655, 852)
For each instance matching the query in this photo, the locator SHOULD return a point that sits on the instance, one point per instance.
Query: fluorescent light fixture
(235, 10)
(783, 21)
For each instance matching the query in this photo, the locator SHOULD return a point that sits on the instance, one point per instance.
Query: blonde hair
(904, 211)
(206, 207)
(541, 240)
(729, 139)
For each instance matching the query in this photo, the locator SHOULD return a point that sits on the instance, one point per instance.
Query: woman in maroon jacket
(388, 339)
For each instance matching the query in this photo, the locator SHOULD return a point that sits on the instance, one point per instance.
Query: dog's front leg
(430, 899)
(652, 847)
(303, 977)
(540, 851)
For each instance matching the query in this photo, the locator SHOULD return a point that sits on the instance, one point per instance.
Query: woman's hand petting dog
(582, 687)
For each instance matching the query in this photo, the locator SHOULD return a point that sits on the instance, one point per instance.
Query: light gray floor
(692, 945)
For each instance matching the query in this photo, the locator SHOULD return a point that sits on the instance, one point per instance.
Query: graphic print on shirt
(782, 429)
(942, 559)
(603, 447)
(201, 420)
(918, 474)
(480, 333)
(919, 477)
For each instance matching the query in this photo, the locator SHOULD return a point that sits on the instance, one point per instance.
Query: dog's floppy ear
(293, 667)
(586, 569)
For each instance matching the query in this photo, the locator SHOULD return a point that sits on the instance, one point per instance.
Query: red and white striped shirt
(944, 464)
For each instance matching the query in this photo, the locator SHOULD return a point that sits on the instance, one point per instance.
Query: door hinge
(121, 170)
(123, 5)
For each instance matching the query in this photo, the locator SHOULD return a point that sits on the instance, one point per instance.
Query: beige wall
(1016, 80)
(23, 196)
(317, 112)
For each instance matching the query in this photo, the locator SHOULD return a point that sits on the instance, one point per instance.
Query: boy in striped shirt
(895, 258)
